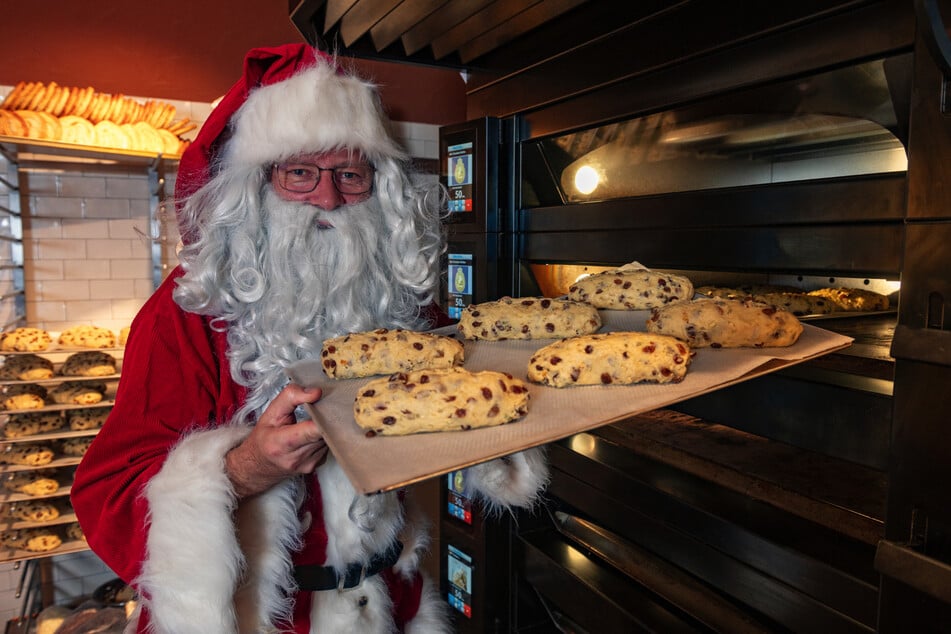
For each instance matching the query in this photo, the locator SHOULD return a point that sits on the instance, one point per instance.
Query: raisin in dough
(616, 358)
(439, 400)
(32, 423)
(91, 363)
(853, 299)
(726, 323)
(528, 318)
(26, 340)
(24, 396)
(26, 367)
(87, 337)
(631, 290)
(78, 392)
(385, 351)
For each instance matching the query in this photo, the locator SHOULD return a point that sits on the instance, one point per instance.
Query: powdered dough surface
(631, 290)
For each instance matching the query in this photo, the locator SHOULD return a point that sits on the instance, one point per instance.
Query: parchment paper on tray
(383, 463)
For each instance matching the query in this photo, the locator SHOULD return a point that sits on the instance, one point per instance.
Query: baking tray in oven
(383, 463)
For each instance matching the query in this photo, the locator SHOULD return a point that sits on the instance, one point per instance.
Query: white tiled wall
(87, 259)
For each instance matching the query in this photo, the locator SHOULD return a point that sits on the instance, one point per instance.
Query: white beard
(320, 275)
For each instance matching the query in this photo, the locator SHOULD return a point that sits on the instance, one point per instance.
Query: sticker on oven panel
(459, 505)
(459, 571)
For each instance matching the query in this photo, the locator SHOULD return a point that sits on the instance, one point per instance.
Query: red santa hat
(291, 99)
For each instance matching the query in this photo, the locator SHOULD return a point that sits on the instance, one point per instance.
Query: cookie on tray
(90, 363)
(78, 392)
(34, 511)
(33, 423)
(87, 337)
(37, 540)
(27, 454)
(26, 339)
(24, 396)
(40, 482)
(76, 447)
(26, 367)
(86, 419)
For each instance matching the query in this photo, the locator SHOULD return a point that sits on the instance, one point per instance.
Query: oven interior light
(586, 179)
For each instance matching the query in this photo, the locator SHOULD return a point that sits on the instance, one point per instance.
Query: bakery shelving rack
(61, 465)
(18, 156)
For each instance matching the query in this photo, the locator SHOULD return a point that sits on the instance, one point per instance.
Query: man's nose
(325, 195)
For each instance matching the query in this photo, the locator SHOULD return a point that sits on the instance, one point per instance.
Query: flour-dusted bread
(384, 351)
(635, 289)
(87, 336)
(528, 318)
(89, 363)
(726, 323)
(853, 299)
(24, 396)
(616, 358)
(26, 367)
(33, 423)
(439, 400)
(78, 392)
(26, 340)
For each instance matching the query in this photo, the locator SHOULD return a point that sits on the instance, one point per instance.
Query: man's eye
(300, 172)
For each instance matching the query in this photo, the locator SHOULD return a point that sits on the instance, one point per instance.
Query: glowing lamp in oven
(586, 179)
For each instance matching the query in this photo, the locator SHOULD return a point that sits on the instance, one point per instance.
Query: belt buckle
(342, 583)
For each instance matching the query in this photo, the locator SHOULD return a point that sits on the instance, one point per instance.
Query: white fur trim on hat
(315, 110)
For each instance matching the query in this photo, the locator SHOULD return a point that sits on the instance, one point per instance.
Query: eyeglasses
(302, 178)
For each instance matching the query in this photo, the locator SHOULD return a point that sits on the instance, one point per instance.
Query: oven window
(838, 123)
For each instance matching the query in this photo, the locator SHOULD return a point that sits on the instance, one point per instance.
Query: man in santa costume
(300, 221)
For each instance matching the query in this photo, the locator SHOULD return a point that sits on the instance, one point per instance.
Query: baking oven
(810, 155)
(803, 144)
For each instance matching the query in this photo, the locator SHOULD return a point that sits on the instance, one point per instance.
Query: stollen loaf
(632, 289)
(528, 318)
(615, 358)
(439, 400)
(384, 351)
(726, 323)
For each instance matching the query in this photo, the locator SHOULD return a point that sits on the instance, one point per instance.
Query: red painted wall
(186, 50)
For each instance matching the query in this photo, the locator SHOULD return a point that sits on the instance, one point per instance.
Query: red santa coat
(155, 505)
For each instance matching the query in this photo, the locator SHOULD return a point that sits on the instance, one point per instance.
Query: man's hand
(278, 447)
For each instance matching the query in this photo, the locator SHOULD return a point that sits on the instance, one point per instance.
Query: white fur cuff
(193, 560)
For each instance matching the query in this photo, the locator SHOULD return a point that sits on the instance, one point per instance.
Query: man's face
(326, 180)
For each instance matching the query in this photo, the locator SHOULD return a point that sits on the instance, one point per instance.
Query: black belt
(317, 578)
